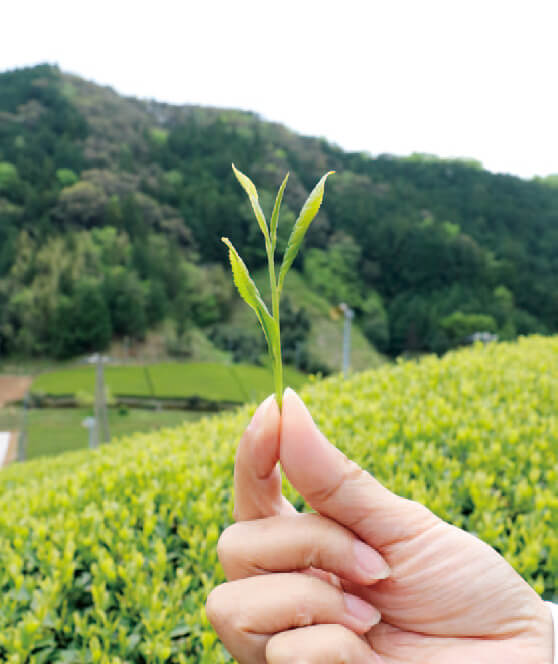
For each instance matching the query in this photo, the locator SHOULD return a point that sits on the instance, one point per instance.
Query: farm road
(13, 388)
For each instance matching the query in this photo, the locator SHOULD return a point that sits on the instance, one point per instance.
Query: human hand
(449, 596)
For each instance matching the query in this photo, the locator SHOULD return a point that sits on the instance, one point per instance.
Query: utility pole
(90, 424)
(349, 315)
(102, 433)
(22, 440)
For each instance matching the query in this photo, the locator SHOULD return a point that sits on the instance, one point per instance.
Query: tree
(66, 177)
(156, 301)
(8, 176)
(374, 321)
(295, 328)
(334, 272)
(412, 323)
(245, 345)
(126, 301)
(82, 323)
(81, 204)
(459, 326)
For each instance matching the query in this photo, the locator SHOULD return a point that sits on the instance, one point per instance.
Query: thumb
(338, 488)
(257, 479)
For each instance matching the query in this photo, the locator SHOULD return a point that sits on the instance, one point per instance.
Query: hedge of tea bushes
(108, 556)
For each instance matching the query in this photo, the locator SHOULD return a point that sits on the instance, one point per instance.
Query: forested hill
(112, 209)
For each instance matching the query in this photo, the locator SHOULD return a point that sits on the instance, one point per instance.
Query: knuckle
(350, 472)
(325, 543)
(214, 606)
(276, 649)
(226, 544)
(424, 518)
(222, 610)
(237, 516)
(353, 471)
(281, 649)
(331, 642)
(303, 615)
(342, 645)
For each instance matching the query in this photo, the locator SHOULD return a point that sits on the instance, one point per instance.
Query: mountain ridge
(424, 249)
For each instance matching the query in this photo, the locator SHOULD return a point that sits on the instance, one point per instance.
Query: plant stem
(276, 352)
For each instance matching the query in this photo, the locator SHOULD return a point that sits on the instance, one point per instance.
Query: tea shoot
(248, 290)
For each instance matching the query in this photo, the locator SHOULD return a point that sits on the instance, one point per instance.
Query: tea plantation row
(236, 383)
(108, 556)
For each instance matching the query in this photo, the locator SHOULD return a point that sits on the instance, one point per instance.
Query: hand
(449, 597)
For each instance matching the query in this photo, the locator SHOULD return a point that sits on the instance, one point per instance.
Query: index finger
(257, 479)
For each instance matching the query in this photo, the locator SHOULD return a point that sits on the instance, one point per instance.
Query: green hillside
(112, 209)
(108, 556)
(325, 338)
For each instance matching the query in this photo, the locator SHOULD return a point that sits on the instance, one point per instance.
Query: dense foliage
(112, 209)
(107, 557)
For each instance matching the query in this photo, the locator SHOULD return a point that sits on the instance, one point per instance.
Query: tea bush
(108, 556)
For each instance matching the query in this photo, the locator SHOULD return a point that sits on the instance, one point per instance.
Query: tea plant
(107, 557)
(248, 290)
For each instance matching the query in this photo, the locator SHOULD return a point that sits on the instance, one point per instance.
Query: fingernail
(365, 613)
(259, 415)
(371, 563)
(289, 392)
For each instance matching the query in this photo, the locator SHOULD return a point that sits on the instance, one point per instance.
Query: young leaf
(275, 214)
(308, 212)
(252, 192)
(251, 295)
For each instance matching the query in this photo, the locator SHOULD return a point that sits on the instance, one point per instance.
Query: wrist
(544, 630)
(552, 611)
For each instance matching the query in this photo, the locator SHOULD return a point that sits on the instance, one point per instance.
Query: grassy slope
(326, 334)
(154, 348)
(219, 382)
(52, 431)
(56, 430)
(234, 382)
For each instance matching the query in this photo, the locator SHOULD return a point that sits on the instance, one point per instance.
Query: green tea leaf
(243, 281)
(251, 295)
(307, 214)
(252, 192)
(275, 214)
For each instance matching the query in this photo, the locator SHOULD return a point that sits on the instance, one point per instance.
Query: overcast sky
(475, 78)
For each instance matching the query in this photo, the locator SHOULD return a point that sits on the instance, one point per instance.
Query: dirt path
(13, 388)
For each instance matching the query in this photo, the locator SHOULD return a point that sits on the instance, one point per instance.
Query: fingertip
(295, 414)
(263, 432)
(292, 398)
(260, 414)
(257, 481)
(296, 420)
(302, 445)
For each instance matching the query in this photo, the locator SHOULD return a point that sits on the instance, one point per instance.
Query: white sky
(475, 78)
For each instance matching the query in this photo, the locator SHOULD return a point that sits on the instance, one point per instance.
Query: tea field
(56, 430)
(235, 383)
(107, 556)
